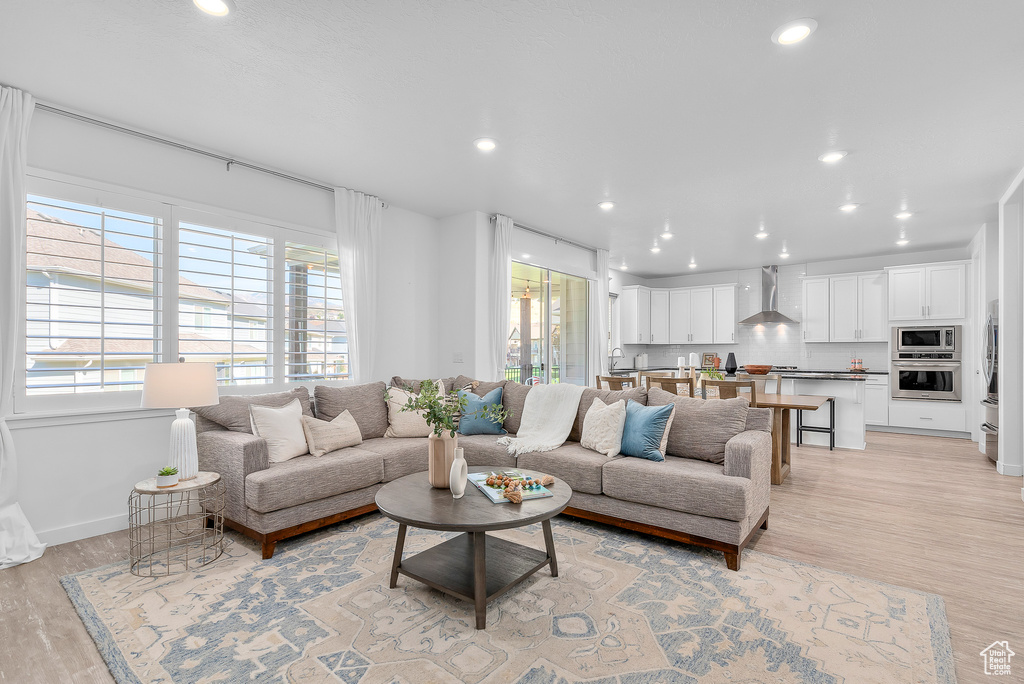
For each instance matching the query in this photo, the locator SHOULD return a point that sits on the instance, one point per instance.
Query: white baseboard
(918, 431)
(1011, 469)
(92, 528)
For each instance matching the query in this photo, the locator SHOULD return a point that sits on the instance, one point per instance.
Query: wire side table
(175, 529)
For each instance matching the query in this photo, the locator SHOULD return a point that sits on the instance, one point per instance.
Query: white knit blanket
(548, 415)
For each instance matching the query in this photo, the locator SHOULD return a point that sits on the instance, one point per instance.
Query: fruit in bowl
(758, 369)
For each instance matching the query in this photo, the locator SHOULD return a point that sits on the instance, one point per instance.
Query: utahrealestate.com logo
(997, 658)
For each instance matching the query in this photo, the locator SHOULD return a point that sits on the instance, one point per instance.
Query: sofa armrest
(235, 455)
(749, 455)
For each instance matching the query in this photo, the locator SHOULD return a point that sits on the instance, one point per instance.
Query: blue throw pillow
(645, 426)
(471, 423)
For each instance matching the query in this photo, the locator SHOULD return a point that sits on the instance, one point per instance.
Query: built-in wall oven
(926, 363)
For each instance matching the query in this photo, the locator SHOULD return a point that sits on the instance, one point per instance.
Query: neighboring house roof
(187, 344)
(55, 244)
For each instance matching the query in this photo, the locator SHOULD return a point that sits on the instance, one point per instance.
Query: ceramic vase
(440, 455)
(730, 365)
(459, 474)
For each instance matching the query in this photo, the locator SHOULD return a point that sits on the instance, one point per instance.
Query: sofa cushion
(759, 419)
(602, 427)
(405, 383)
(402, 455)
(308, 478)
(473, 420)
(403, 423)
(645, 431)
(484, 450)
(513, 399)
(281, 428)
(702, 426)
(323, 436)
(233, 410)
(637, 394)
(680, 484)
(481, 389)
(365, 403)
(578, 466)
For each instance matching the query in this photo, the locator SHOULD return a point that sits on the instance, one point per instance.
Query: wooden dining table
(781, 405)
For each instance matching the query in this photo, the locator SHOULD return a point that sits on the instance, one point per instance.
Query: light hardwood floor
(921, 512)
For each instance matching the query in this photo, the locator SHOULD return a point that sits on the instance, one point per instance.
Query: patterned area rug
(625, 608)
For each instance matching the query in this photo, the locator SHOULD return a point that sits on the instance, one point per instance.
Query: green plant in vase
(167, 472)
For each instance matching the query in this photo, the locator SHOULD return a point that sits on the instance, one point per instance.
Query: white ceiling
(681, 112)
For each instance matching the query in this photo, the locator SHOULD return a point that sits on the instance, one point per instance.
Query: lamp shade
(179, 385)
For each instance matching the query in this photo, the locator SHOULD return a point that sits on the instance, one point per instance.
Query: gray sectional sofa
(712, 489)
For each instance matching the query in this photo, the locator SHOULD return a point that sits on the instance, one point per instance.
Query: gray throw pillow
(365, 403)
(701, 426)
(513, 398)
(233, 410)
(637, 394)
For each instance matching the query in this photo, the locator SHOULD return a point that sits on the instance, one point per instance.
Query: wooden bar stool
(730, 389)
(615, 382)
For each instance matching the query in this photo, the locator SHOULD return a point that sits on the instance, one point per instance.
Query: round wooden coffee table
(471, 566)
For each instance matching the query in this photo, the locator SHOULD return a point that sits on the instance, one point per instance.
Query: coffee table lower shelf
(452, 567)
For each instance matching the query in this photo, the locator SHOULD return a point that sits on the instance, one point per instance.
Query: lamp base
(183, 454)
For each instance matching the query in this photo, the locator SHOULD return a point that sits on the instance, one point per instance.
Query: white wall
(75, 471)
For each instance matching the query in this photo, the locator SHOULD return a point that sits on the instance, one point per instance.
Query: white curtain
(501, 293)
(18, 543)
(357, 219)
(599, 318)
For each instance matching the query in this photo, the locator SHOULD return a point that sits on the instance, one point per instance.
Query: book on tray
(496, 492)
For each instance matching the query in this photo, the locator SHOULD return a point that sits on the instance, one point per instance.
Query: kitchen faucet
(611, 357)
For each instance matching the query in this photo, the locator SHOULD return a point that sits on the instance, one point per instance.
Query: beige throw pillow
(281, 428)
(406, 423)
(325, 436)
(602, 427)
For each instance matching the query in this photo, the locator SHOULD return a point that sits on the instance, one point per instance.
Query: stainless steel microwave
(926, 338)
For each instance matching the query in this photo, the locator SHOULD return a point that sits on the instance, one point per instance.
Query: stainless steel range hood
(769, 312)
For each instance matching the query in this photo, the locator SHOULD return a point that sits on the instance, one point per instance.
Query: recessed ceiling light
(482, 144)
(666, 235)
(832, 157)
(218, 8)
(761, 236)
(623, 267)
(655, 249)
(903, 242)
(693, 264)
(794, 31)
(903, 215)
(526, 256)
(848, 207)
(607, 205)
(783, 255)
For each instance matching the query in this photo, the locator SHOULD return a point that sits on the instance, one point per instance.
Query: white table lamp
(176, 385)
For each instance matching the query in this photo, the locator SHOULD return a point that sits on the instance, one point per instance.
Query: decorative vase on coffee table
(440, 455)
(459, 474)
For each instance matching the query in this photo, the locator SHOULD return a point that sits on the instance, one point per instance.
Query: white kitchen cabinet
(948, 416)
(872, 290)
(679, 316)
(876, 400)
(659, 316)
(815, 323)
(702, 315)
(947, 291)
(635, 315)
(929, 291)
(842, 307)
(857, 308)
(725, 314)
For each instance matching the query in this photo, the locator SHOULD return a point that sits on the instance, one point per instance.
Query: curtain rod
(229, 161)
(549, 236)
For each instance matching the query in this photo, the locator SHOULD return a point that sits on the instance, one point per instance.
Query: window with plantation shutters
(316, 339)
(92, 310)
(225, 302)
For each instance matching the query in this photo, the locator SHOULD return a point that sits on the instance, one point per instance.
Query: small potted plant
(167, 477)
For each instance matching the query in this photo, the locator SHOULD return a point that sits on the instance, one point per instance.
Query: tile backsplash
(776, 344)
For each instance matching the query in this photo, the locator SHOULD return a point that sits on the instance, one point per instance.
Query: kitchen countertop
(786, 374)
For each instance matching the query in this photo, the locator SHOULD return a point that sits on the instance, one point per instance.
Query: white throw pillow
(602, 427)
(282, 428)
(406, 423)
(324, 436)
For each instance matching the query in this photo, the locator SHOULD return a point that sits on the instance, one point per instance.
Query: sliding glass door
(548, 328)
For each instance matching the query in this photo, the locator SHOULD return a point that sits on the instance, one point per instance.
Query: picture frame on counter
(707, 360)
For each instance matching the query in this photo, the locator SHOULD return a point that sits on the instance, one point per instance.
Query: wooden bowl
(757, 370)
